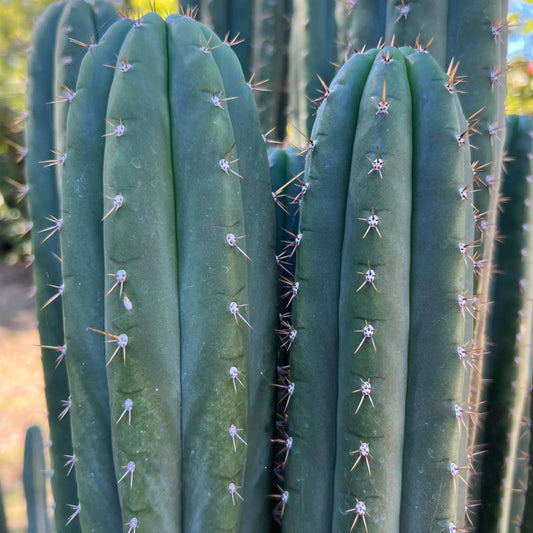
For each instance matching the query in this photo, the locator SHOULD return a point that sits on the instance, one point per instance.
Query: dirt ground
(21, 385)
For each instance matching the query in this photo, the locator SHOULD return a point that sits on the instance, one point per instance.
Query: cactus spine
(380, 229)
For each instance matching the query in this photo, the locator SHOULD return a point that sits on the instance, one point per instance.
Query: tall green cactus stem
(319, 374)
(185, 178)
(478, 40)
(286, 167)
(79, 28)
(224, 442)
(312, 51)
(85, 285)
(381, 227)
(288, 189)
(436, 382)
(271, 31)
(34, 480)
(473, 35)
(137, 167)
(45, 212)
(51, 67)
(232, 17)
(504, 467)
(259, 223)
(263, 27)
(365, 29)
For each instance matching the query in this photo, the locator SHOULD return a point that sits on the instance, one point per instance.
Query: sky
(521, 43)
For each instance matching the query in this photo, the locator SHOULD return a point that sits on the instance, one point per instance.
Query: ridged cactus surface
(53, 64)
(34, 479)
(504, 467)
(469, 41)
(378, 406)
(146, 163)
(312, 54)
(262, 29)
(173, 311)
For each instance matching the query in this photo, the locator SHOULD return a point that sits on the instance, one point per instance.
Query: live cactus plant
(169, 249)
(34, 479)
(378, 406)
(312, 53)
(84, 300)
(504, 463)
(469, 40)
(3, 519)
(234, 18)
(170, 197)
(270, 61)
(286, 169)
(261, 28)
(45, 155)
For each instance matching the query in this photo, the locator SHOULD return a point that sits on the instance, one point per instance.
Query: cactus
(270, 61)
(379, 245)
(232, 17)
(170, 300)
(188, 379)
(3, 519)
(34, 479)
(44, 137)
(261, 28)
(312, 52)
(469, 39)
(85, 286)
(506, 435)
(286, 168)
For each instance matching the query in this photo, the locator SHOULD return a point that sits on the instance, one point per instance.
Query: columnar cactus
(286, 169)
(48, 86)
(270, 61)
(469, 39)
(504, 472)
(383, 317)
(232, 17)
(83, 264)
(172, 314)
(158, 191)
(34, 480)
(312, 52)
(262, 29)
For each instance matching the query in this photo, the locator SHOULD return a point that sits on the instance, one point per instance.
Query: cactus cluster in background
(506, 437)
(34, 479)
(262, 29)
(297, 339)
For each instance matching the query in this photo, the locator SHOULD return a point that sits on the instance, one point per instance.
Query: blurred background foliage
(15, 28)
